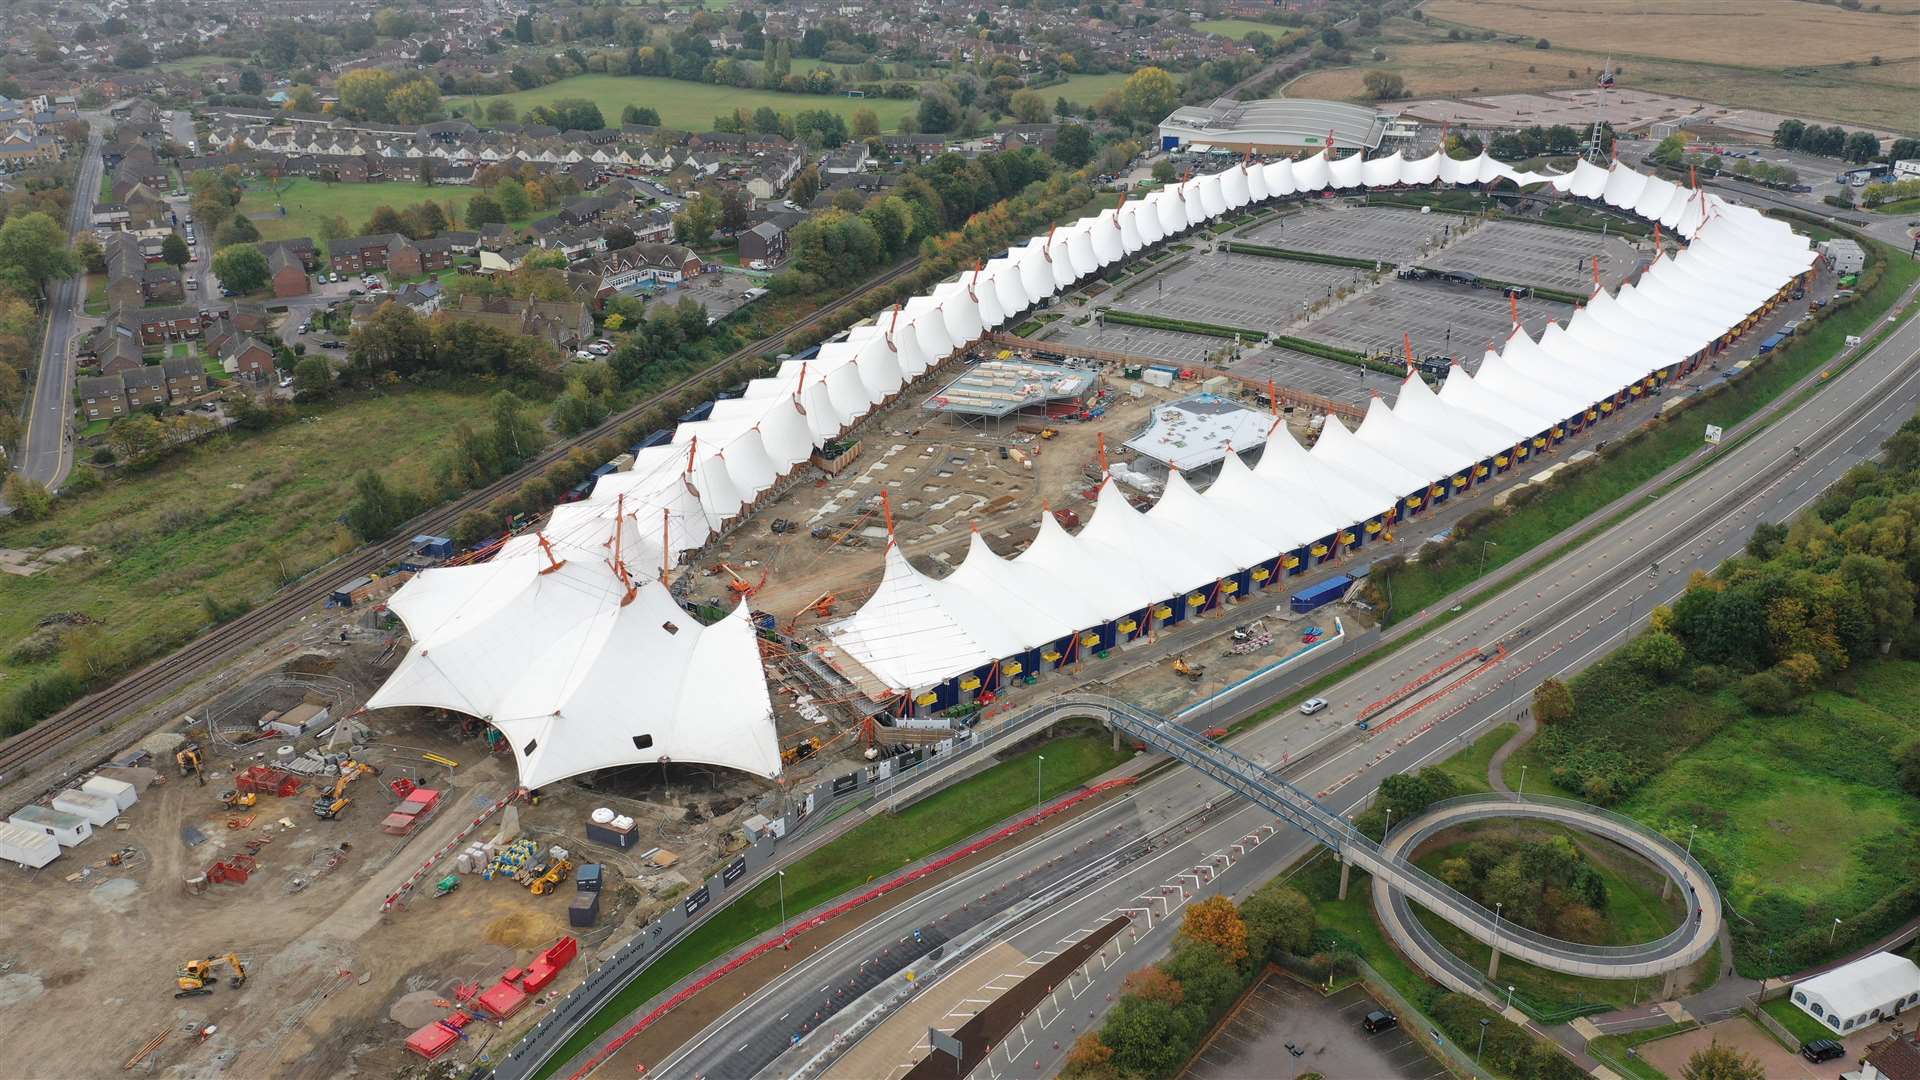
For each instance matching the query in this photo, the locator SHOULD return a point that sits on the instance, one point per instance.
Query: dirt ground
(89, 940)
(1776, 1061)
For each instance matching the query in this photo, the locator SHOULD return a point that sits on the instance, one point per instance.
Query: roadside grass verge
(869, 851)
(1803, 1027)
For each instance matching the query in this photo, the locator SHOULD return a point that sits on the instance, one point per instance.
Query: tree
(618, 236)
(513, 199)
(694, 225)
(1542, 44)
(385, 220)
(1552, 702)
(1088, 1057)
(1073, 145)
(643, 115)
(30, 499)
(1148, 1038)
(523, 28)
(1384, 85)
(1657, 654)
(376, 509)
(1216, 922)
(33, 251)
(937, 112)
(1861, 146)
(363, 92)
(1278, 919)
(1029, 107)
(482, 210)
(1149, 94)
(1332, 38)
(312, 378)
(805, 186)
(1717, 1062)
(93, 257)
(426, 219)
(133, 54)
(1154, 984)
(241, 268)
(1163, 171)
(1787, 135)
(1908, 764)
(415, 102)
(866, 123)
(237, 231)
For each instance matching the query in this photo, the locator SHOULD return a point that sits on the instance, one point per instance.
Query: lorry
(1321, 594)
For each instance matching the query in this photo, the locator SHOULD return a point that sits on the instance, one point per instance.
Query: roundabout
(1393, 894)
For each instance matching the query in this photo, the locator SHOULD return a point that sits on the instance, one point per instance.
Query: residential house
(185, 376)
(564, 324)
(412, 258)
(765, 243)
(851, 158)
(629, 267)
(288, 273)
(121, 350)
(361, 254)
(300, 247)
(159, 326)
(461, 242)
(243, 356)
(102, 397)
(111, 216)
(146, 387)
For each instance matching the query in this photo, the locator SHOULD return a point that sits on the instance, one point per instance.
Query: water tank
(602, 816)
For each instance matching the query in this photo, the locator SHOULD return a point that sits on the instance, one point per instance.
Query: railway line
(218, 643)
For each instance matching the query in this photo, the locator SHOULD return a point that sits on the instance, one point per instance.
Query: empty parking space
(1285, 1029)
(1328, 378)
(1250, 291)
(1531, 255)
(1390, 235)
(1168, 345)
(1442, 320)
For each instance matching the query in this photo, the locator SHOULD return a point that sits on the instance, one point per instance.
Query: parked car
(192, 284)
(1379, 1020)
(356, 292)
(333, 344)
(1312, 705)
(1820, 1050)
(583, 355)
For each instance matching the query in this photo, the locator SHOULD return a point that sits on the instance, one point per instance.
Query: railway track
(98, 710)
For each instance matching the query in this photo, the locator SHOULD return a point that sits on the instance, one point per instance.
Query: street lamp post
(1831, 934)
(1484, 545)
(1038, 761)
(1691, 829)
(1388, 827)
(1509, 996)
(1523, 781)
(780, 876)
(1483, 1040)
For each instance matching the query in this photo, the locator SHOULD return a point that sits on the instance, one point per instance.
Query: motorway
(1552, 623)
(46, 453)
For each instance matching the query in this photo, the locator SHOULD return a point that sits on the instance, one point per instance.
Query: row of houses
(109, 397)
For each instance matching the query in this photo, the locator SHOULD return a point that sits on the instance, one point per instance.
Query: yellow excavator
(1186, 670)
(197, 976)
(550, 880)
(330, 804)
(189, 761)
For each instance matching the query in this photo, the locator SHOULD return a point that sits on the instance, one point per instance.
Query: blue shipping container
(1322, 594)
(1771, 342)
(698, 412)
(438, 547)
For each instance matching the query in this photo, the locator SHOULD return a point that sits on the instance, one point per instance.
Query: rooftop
(1279, 122)
(1196, 431)
(996, 388)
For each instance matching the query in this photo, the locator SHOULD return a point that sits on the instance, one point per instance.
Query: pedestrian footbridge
(1396, 881)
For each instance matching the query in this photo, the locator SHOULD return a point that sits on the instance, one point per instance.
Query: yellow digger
(551, 880)
(188, 759)
(335, 800)
(197, 976)
(1186, 670)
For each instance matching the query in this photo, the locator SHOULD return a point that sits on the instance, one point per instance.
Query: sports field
(1238, 29)
(309, 202)
(690, 106)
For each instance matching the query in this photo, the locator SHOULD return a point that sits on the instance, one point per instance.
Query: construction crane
(189, 761)
(197, 976)
(330, 805)
(821, 606)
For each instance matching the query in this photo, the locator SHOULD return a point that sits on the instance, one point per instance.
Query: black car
(1379, 1020)
(1820, 1050)
(333, 344)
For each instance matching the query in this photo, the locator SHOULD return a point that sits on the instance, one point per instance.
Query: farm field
(1887, 96)
(1238, 29)
(308, 202)
(691, 106)
(230, 519)
(1745, 32)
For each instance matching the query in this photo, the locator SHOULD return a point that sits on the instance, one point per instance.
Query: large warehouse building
(1278, 126)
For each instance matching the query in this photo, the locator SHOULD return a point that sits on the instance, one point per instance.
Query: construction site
(405, 829)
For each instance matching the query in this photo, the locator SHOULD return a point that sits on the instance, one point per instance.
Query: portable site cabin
(120, 792)
(97, 809)
(28, 847)
(67, 829)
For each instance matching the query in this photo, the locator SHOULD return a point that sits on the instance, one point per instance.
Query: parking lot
(1362, 232)
(1328, 378)
(1250, 291)
(1536, 255)
(1284, 1029)
(1169, 345)
(1442, 319)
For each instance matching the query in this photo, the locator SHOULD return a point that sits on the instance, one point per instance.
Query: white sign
(1713, 434)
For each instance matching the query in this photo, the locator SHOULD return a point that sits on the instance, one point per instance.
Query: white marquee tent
(915, 631)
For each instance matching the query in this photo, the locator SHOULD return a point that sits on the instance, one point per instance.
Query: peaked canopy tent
(1299, 505)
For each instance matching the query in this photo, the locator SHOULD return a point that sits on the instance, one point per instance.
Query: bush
(1707, 678)
(102, 455)
(1767, 692)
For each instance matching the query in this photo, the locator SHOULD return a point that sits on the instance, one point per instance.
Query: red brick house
(288, 273)
(161, 325)
(245, 357)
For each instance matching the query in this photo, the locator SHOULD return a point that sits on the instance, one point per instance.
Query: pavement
(46, 453)
(1556, 616)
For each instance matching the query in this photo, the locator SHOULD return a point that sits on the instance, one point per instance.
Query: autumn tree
(1149, 94)
(1216, 922)
(1154, 984)
(1717, 1062)
(1552, 702)
(1087, 1059)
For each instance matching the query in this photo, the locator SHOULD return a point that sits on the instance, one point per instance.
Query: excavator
(335, 800)
(189, 761)
(550, 880)
(197, 976)
(1191, 671)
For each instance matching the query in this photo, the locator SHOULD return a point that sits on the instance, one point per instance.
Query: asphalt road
(1553, 622)
(47, 452)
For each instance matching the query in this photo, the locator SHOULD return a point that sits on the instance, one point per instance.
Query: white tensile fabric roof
(569, 699)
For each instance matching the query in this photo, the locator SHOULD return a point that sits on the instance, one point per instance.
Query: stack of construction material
(28, 847)
(66, 829)
(417, 807)
(513, 858)
(97, 809)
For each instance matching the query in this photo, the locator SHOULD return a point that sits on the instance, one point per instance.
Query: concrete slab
(893, 1047)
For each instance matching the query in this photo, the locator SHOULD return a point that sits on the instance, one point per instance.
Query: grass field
(197, 63)
(1804, 1027)
(1747, 32)
(231, 519)
(869, 851)
(308, 202)
(692, 106)
(1468, 768)
(96, 299)
(1084, 89)
(1238, 29)
(1849, 89)
(1801, 809)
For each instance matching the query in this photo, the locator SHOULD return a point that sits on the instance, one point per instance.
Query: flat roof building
(993, 389)
(1196, 431)
(1276, 126)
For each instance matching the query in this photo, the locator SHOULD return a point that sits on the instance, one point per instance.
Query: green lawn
(96, 301)
(1238, 29)
(308, 202)
(1634, 913)
(1548, 996)
(1612, 1050)
(1526, 771)
(1468, 768)
(1904, 206)
(1084, 89)
(162, 541)
(1804, 1027)
(869, 851)
(197, 63)
(691, 106)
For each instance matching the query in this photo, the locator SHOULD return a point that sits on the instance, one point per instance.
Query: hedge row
(1184, 326)
(1332, 352)
(1241, 247)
